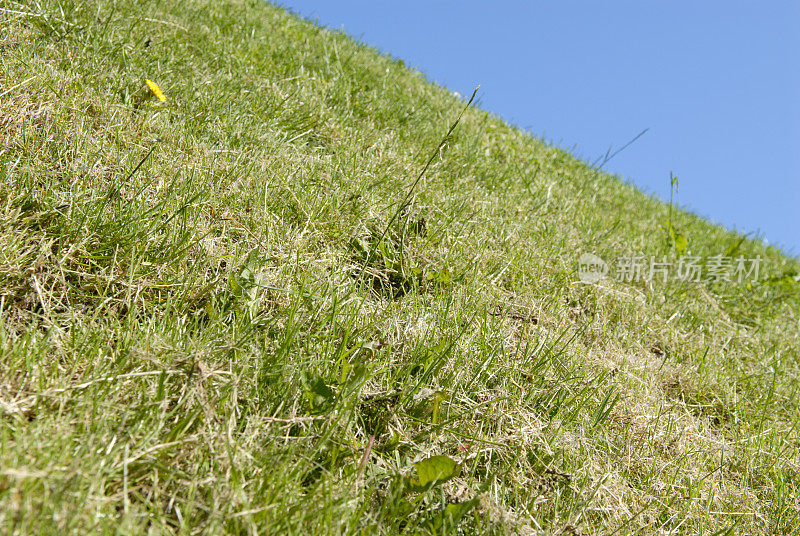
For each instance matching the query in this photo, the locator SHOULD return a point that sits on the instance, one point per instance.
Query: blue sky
(716, 83)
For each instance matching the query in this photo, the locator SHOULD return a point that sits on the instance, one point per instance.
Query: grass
(253, 309)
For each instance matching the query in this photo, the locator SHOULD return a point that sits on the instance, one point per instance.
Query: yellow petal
(155, 89)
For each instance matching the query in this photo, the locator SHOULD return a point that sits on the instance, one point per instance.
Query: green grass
(252, 309)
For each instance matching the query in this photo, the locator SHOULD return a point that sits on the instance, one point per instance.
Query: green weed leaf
(733, 249)
(681, 243)
(432, 471)
(319, 396)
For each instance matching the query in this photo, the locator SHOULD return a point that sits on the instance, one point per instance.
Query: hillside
(313, 293)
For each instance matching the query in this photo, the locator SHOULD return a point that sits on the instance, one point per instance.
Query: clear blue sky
(717, 83)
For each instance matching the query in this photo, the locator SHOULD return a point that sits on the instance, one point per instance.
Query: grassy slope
(186, 346)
